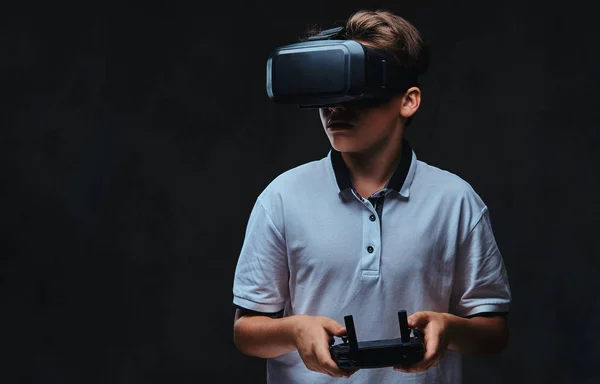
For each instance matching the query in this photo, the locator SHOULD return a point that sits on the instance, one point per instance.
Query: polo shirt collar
(400, 181)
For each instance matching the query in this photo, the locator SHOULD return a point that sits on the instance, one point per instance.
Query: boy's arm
(478, 335)
(262, 335)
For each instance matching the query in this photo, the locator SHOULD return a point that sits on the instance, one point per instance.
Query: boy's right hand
(311, 336)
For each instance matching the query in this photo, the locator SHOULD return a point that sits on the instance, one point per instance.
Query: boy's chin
(344, 145)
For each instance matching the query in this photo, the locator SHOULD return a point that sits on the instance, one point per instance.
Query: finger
(334, 328)
(408, 368)
(423, 364)
(313, 367)
(352, 372)
(423, 367)
(315, 362)
(438, 358)
(432, 350)
(310, 361)
(431, 357)
(435, 362)
(326, 362)
(418, 320)
(311, 364)
(316, 367)
(332, 368)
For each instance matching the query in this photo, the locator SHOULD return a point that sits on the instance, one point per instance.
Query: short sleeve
(261, 275)
(480, 282)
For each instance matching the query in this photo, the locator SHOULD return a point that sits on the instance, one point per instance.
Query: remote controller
(352, 355)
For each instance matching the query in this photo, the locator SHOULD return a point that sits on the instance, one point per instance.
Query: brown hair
(389, 32)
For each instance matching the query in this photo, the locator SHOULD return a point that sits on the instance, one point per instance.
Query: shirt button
(372, 217)
(370, 249)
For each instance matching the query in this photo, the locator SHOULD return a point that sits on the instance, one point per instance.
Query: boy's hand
(435, 327)
(311, 336)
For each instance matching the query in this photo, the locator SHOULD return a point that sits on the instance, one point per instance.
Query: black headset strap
(337, 33)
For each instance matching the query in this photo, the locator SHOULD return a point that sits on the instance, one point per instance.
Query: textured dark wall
(135, 141)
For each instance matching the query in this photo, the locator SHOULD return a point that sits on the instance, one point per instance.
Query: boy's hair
(388, 32)
(384, 30)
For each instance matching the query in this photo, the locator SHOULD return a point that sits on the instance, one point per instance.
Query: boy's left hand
(434, 325)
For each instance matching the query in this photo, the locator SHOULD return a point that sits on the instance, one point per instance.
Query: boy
(367, 231)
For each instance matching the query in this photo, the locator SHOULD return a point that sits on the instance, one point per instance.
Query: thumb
(418, 320)
(334, 328)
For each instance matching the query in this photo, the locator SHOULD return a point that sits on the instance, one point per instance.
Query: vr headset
(328, 70)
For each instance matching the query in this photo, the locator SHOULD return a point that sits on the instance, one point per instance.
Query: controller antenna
(404, 330)
(351, 333)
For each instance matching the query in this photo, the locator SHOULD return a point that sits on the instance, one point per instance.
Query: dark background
(135, 141)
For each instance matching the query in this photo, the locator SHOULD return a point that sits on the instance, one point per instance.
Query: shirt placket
(372, 233)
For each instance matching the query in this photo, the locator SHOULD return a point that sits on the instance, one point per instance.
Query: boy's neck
(371, 170)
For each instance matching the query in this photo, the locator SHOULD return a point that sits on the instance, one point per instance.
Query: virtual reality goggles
(328, 70)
